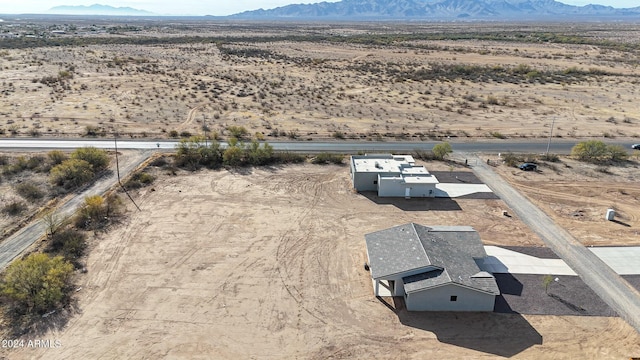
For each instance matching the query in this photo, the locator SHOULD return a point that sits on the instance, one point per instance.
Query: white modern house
(391, 176)
(433, 267)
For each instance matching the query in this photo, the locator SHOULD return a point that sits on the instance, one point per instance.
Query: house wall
(439, 299)
(365, 181)
(396, 188)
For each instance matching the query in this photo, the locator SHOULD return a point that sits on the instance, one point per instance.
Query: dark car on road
(528, 167)
(635, 146)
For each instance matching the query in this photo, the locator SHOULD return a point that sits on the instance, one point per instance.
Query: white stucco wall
(396, 187)
(439, 299)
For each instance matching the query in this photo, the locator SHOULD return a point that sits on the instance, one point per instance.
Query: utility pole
(204, 127)
(550, 134)
(115, 141)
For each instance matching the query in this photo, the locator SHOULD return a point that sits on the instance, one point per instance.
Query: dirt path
(14, 245)
(614, 290)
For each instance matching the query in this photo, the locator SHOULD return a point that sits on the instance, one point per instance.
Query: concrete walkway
(447, 190)
(613, 289)
(622, 259)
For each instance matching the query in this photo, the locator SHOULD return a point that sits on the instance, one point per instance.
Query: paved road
(612, 288)
(557, 146)
(14, 245)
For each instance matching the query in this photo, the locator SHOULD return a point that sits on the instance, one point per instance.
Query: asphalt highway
(489, 146)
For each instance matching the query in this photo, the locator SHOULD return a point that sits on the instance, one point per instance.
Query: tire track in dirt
(190, 117)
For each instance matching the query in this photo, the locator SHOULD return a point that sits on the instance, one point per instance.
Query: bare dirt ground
(577, 195)
(268, 264)
(309, 89)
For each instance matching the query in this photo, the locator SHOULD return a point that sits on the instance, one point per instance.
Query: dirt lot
(268, 264)
(577, 195)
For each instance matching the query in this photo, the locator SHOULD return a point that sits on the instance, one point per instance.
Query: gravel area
(455, 177)
(525, 294)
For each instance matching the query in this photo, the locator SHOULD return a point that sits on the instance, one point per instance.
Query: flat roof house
(391, 176)
(432, 267)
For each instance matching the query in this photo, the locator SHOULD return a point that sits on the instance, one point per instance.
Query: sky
(203, 7)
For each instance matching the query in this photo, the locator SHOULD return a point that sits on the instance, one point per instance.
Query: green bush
(56, 157)
(98, 159)
(37, 284)
(97, 212)
(597, 152)
(440, 151)
(238, 132)
(71, 173)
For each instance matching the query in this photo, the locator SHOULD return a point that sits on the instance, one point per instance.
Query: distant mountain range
(97, 9)
(442, 10)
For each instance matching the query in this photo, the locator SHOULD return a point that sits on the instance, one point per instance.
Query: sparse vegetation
(37, 284)
(328, 158)
(440, 151)
(597, 152)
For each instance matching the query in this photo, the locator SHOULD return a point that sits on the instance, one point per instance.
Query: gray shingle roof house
(433, 267)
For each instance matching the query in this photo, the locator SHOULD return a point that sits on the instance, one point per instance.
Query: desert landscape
(342, 81)
(267, 262)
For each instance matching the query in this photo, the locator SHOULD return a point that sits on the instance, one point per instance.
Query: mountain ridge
(440, 10)
(96, 9)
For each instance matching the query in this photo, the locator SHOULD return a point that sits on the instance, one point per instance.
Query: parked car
(635, 146)
(528, 167)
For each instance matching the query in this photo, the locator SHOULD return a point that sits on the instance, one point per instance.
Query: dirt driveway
(268, 264)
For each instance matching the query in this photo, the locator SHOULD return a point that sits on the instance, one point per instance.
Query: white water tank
(611, 214)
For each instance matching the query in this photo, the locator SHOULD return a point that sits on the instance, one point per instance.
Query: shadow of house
(499, 334)
(414, 204)
(508, 285)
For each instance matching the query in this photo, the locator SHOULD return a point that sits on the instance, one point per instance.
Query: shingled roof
(445, 253)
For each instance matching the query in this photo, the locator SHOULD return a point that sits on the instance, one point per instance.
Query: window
(454, 298)
(375, 182)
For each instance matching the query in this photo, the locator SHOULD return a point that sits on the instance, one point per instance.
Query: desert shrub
(327, 158)
(56, 157)
(96, 212)
(92, 131)
(29, 191)
(71, 173)
(597, 152)
(37, 284)
(550, 157)
(185, 134)
(513, 160)
(338, 135)
(70, 243)
(173, 134)
(139, 179)
(98, 159)
(233, 156)
(497, 135)
(14, 208)
(238, 132)
(440, 151)
(194, 153)
(159, 161)
(259, 155)
(287, 157)
(424, 155)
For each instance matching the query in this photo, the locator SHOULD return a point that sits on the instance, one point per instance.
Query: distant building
(433, 267)
(391, 176)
